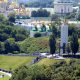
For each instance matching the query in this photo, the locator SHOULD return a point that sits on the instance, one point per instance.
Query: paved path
(6, 73)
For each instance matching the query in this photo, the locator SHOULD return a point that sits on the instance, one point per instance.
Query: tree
(52, 44)
(7, 46)
(78, 32)
(64, 47)
(71, 16)
(2, 18)
(40, 13)
(78, 18)
(11, 45)
(3, 36)
(43, 28)
(36, 29)
(74, 43)
(72, 29)
(33, 13)
(54, 17)
(11, 17)
(0, 47)
(68, 49)
(20, 37)
(54, 29)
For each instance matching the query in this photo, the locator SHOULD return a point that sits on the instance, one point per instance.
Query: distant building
(3, 5)
(4, 8)
(63, 6)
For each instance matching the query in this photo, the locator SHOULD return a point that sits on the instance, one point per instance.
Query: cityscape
(39, 40)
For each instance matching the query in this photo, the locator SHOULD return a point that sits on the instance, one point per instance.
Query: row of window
(64, 2)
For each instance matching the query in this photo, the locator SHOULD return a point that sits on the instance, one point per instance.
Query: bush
(58, 71)
(32, 45)
(15, 52)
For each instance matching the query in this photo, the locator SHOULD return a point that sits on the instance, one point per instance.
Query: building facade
(63, 6)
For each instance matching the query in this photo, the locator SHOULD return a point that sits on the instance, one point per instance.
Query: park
(40, 44)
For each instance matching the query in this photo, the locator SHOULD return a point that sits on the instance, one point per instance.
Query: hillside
(32, 45)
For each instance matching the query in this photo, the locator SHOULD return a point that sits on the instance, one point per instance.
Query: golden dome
(3, 1)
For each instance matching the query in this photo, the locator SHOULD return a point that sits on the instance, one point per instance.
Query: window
(68, 9)
(61, 10)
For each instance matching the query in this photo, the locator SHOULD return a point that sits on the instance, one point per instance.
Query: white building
(63, 6)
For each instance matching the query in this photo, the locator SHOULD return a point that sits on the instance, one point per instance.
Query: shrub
(37, 35)
(32, 45)
(58, 71)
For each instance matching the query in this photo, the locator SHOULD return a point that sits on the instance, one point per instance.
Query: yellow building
(22, 11)
(13, 5)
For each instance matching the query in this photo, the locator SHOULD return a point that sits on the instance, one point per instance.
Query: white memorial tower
(64, 35)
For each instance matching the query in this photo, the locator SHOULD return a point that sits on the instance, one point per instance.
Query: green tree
(20, 37)
(0, 47)
(43, 28)
(78, 32)
(2, 18)
(11, 17)
(52, 44)
(7, 46)
(40, 13)
(54, 29)
(74, 43)
(36, 29)
(68, 49)
(72, 29)
(11, 46)
(64, 47)
(78, 18)
(3, 36)
(54, 17)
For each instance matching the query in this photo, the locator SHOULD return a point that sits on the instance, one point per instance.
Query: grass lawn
(12, 62)
(5, 78)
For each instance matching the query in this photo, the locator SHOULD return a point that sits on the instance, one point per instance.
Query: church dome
(3, 1)
(63, 1)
